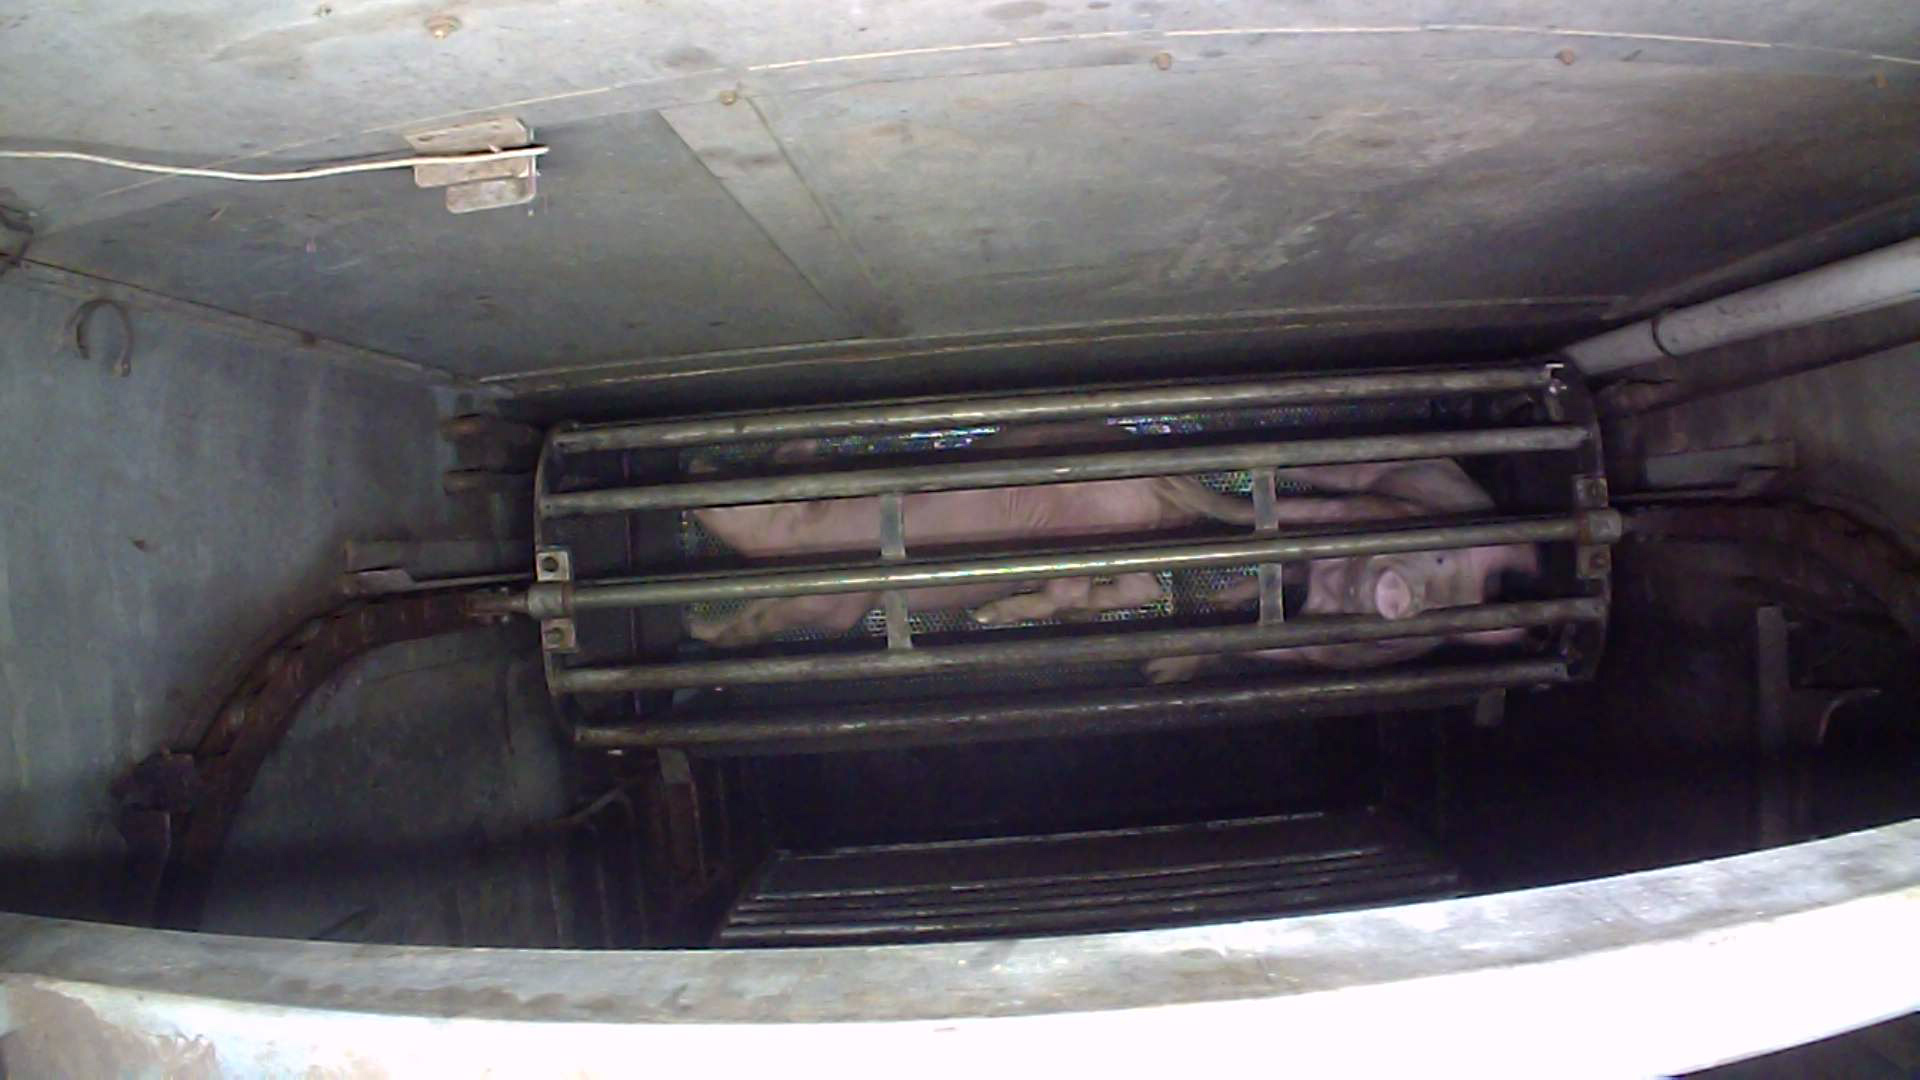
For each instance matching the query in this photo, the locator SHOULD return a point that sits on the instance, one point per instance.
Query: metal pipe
(556, 599)
(1874, 280)
(1117, 465)
(1035, 717)
(1036, 408)
(1146, 645)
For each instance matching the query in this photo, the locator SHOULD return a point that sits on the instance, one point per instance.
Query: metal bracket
(1590, 492)
(1592, 562)
(483, 185)
(555, 564)
(1266, 520)
(1556, 396)
(893, 548)
(1745, 469)
(1790, 715)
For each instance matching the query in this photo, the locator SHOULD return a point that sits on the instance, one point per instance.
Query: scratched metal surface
(156, 531)
(728, 178)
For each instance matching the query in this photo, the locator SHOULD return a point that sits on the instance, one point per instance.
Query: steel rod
(555, 599)
(1102, 712)
(1145, 645)
(1115, 465)
(1036, 408)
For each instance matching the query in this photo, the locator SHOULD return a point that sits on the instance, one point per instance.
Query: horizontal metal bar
(1145, 645)
(1031, 716)
(1115, 465)
(1039, 408)
(1591, 527)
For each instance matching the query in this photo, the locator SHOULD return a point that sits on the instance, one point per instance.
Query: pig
(1391, 586)
(935, 519)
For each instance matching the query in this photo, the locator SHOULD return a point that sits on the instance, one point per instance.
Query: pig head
(1397, 586)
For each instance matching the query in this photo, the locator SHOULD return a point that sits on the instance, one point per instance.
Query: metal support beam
(1336, 630)
(1614, 970)
(1161, 708)
(1117, 465)
(1039, 408)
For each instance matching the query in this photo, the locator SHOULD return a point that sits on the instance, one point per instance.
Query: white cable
(297, 174)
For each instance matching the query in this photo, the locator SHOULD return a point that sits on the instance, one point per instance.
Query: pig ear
(1512, 635)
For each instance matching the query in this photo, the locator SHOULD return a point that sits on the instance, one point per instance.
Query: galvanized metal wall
(727, 184)
(157, 528)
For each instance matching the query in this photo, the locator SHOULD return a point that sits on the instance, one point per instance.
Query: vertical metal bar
(1266, 519)
(893, 548)
(1773, 798)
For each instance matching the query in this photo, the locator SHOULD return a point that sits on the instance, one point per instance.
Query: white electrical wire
(315, 173)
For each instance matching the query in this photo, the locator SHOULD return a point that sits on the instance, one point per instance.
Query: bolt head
(442, 27)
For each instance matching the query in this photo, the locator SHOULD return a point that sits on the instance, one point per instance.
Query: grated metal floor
(1086, 882)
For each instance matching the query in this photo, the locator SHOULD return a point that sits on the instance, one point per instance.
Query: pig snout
(1393, 596)
(1402, 586)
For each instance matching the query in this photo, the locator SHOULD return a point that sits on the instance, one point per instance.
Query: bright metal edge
(1655, 972)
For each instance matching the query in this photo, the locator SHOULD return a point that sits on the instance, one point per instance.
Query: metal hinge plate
(484, 185)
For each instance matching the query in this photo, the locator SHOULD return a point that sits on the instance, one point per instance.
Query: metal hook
(122, 365)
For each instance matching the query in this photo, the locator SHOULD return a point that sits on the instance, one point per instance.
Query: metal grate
(1187, 592)
(1523, 426)
(1086, 882)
